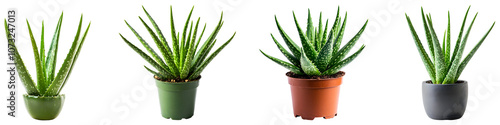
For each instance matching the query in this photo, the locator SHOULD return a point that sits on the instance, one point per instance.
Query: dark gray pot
(445, 101)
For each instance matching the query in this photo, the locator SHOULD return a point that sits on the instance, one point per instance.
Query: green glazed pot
(44, 108)
(177, 99)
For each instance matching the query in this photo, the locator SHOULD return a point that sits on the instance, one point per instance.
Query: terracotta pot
(315, 97)
(445, 101)
(44, 107)
(177, 99)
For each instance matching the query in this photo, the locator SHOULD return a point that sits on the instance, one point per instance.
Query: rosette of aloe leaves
(444, 66)
(186, 58)
(48, 83)
(321, 52)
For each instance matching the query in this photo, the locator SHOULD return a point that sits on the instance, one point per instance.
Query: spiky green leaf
(42, 50)
(333, 32)
(206, 47)
(439, 63)
(310, 27)
(170, 65)
(75, 57)
(287, 65)
(324, 35)
(340, 55)
(157, 74)
(22, 71)
(169, 55)
(198, 70)
(190, 54)
(199, 38)
(452, 73)
(339, 32)
(471, 53)
(67, 65)
(185, 46)
(146, 45)
(146, 57)
(446, 42)
(343, 63)
(423, 54)
(175, 38)
(50, 64)
(308, 66)
(306, 44)
(319, 34)
(182, 50)
(428, 35)
(325, 55)
(294, 48)
(41, 84)
(287, 54)
(459, 39)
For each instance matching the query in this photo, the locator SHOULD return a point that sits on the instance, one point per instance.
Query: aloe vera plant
(48, 83)
(185, 60)
(443, 66)
(320, 53)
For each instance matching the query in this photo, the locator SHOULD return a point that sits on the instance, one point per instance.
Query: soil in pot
(445, 101)
(315, 96)
(44, 107)
(177, 99)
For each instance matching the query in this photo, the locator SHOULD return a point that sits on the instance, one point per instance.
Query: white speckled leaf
(343, 63)
(50, 64)
(294, 48)
(471, 53)
(199, 69)
(287, 54)
(23, 73)
(306, 44)
(439, 64)
(429, 66)
(340, 55)
(307, 66)
(452, 72)
(288, 66)
(41, 84)
(61, 77)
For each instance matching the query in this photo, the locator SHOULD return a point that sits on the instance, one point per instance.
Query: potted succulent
(44, 101)
(315, 75)
(178, 68)
(444, 96)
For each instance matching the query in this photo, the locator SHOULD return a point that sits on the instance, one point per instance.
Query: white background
(109, 85)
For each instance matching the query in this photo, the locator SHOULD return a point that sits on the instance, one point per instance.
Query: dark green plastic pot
(177, 99)
(44, 108)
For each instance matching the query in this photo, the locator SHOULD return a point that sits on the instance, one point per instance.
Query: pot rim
(428, 82)
(315, 79)
(198, 79)
(315, 83)
(44, 97)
